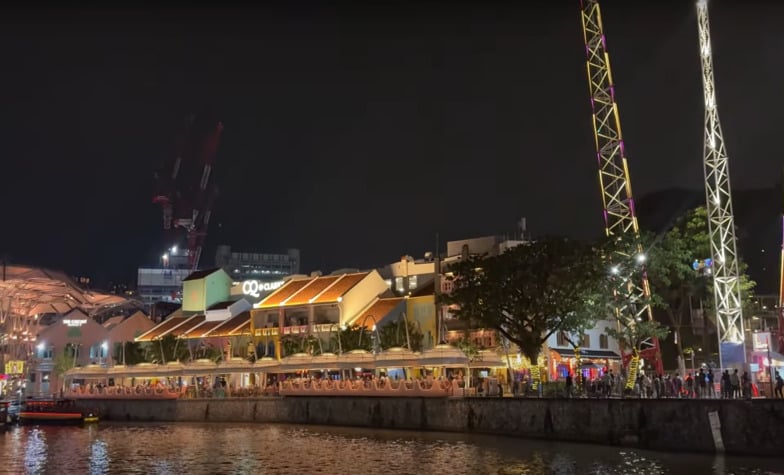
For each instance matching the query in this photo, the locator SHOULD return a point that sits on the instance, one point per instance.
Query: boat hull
(50, 418)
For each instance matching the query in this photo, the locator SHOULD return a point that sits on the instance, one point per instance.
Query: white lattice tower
(721, 222)
(619, 213)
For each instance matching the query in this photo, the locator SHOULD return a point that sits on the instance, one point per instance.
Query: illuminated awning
(326, 361)
(446, 356)
(92, 371)
(296, 362)
(357, 359)
(588, 354)
(397, 358)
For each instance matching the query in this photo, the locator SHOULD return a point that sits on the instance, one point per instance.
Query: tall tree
(628, 265)
(531, 291)
(675, 284)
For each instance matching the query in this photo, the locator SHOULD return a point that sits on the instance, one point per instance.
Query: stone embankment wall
(747, 427)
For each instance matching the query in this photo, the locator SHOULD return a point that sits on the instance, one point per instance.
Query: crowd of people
(699, 385)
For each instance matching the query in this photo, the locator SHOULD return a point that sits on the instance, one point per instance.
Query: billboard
(14, 367)
(761, 341)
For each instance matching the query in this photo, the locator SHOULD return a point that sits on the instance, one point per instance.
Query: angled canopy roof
(34, 290)
(158, 331)
(377, 311)
(313, 290)
(196, 326)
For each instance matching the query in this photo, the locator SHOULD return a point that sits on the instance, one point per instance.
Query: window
(561, 339)
(399, 284)
(447, 286)
(586, 341)
(603, 343)
(412, 282)
(46, 353)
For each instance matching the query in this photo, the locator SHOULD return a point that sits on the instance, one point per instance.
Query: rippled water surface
(288, 449)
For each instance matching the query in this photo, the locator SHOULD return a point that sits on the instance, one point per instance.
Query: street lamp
(373, 329)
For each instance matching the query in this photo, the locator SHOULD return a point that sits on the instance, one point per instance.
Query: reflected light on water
(99, 457)
(35, 450)
(286, 449)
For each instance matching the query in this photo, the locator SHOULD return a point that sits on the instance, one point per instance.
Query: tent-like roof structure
(313, 290)
(27, 293)
(32, 290)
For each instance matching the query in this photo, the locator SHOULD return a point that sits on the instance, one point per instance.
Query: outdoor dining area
(443, 371)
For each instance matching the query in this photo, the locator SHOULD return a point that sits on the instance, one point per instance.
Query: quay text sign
(254, 288)
(74, 323)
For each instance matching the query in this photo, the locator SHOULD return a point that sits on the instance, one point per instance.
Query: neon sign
(74, 323)
(255, 287)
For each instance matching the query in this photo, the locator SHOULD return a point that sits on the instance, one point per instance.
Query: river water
(181, 448)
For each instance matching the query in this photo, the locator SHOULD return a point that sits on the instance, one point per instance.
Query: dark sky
(356, 133)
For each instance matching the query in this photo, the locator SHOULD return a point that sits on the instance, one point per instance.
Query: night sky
(356, 133)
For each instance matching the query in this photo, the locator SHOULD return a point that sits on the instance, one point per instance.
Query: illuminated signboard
(254, 288)
(74, 323)
(14, 367)
(760, 341)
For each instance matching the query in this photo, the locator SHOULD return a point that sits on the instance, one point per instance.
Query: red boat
(58, 412)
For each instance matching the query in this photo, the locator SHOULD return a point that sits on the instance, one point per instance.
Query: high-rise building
(164, 283)
(242, 266)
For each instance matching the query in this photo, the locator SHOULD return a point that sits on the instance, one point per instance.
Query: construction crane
(184, 190)
(721, 222)
(631, 297)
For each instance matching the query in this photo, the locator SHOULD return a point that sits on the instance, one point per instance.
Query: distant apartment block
(242, 266)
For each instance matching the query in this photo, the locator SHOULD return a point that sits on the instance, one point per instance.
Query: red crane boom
(185, 192)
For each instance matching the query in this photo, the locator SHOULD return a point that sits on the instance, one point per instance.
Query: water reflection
(99, 456)
(34, 450)
(282, 449)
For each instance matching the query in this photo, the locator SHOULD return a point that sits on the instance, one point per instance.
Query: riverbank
(739, 427)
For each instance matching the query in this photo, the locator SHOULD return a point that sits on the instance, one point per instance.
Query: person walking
(779, 385)
(726, 385)
(735, 385)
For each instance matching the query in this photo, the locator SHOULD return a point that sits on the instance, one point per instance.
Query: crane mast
(721, 222)
(619, 213)
(185, 191)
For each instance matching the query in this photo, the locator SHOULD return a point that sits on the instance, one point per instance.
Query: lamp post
(41, 346)
(340, 328)
(374, 329)
(404, 317)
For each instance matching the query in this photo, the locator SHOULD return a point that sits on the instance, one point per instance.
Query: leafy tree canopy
(674, 282)
(532, 291)
(167, 349)
(129, 353)
(400, 333)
